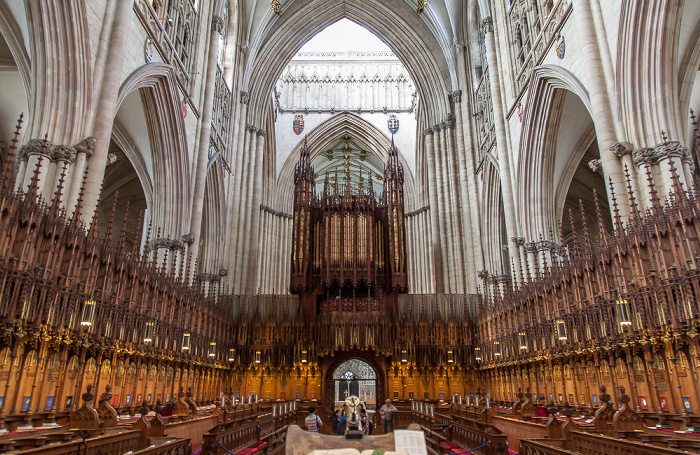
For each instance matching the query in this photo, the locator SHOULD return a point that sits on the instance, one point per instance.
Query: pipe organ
(349, 246)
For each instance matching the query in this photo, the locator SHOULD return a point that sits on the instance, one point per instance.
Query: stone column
(676, 152)
(200, 180)
(501, 141)
(234, 190)
(254, 214)
(84, 151)
(440, 260)
(244, 210)
(455, 206)
(33, 152)
(443, 214)
(623, 151)
(601, 110)
(65, 157)
(107, 106)
(466, 215)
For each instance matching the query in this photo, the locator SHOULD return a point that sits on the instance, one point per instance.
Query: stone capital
(644, 155)
(188, 239)
(596, 166)
(456, 96)
(427, 132)
(674, 149)
(39, 147)
(217, 24)
(487, 25)
(64, 153)
(531, 247)
(519, 241)
(261, 133)
(244, 98)
(621, 149)
(86, 146)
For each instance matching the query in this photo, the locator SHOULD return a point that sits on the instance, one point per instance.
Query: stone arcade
(217, 213)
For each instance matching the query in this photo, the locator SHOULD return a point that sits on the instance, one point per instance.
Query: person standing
(335, 421)
(387, 412)
(313, 422)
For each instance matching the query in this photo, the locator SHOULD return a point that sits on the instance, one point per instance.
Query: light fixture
(497, 348)
(304, 356)
(560, 328)
(623, 312)
(231, 354)
(257, 356)
(523, 340)
(450, 356)
(477, 353)
(212, 349)
(404, 356)
(88, 313)
(150, 329)
(185, 341)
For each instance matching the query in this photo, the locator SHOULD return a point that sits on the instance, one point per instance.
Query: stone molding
(621, 149)
(217, 24)
(487, 25)
(596, 166)
(644, 155)
(40, 147)
(86, 146)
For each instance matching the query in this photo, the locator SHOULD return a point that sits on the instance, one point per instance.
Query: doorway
(355, 377)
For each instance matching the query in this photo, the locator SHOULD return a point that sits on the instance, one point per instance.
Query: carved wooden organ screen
(347, 242)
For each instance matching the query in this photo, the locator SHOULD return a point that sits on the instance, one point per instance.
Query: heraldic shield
(393, 124)
(298, 125)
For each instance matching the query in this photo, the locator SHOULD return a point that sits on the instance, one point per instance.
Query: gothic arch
(326, 133)
(538, 196)
(213, 217)
(10, 30)
(650, 60)
(337, 360)
(168, 140)
(493, 224)
(61, 73)
(414, 43)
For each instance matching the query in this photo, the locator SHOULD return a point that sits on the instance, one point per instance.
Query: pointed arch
(537, 195)
(159, 91)
(326, 133)
(413, 42)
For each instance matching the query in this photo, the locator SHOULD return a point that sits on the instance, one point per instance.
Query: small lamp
(212, 349)
(623, 312)
(150, 329)
(560, 327)
(88, 313)
(523, 340)
(185, 341)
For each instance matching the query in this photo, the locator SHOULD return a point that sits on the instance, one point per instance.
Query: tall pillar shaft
(107, 106)
(204, 138)
(501, 143)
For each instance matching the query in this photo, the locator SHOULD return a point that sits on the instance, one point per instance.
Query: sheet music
(412, 442)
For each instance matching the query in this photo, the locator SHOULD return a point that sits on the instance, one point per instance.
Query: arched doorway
(355, 377)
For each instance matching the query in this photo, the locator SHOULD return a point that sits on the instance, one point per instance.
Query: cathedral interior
(218, 214)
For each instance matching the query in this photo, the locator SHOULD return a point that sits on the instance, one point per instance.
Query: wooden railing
(171, 447)
(471, 437)
(230, 436)
(127, 441)
(591, 444)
